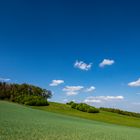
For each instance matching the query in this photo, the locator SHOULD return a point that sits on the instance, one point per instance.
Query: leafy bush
(93, 110)
(37, 102)
(74, 105)
(83, 107)
(31, 100)
(70, 103)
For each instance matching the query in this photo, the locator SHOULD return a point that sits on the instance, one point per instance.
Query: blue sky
(41, 41)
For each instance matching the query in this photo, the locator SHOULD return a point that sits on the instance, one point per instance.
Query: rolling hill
(103, 116)
(18, 122)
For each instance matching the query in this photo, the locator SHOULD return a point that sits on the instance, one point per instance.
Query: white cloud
(65, 100)
(72, 90)
(83, 66)
(106, 62)
(88, 101)
(49, 100)
(90, 89)
(5, 79)
(99, 99)
(111, 97)
(56, 82)
(138, 93)
(71, 93)
(136, 103)
(135, 83)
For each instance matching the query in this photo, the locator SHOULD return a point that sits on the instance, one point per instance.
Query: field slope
(104, 116)
(18, 122)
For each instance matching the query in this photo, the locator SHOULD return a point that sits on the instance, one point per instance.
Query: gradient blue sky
(41, 40)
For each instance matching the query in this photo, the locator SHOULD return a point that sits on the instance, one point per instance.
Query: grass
(104, 116)
(18, 122)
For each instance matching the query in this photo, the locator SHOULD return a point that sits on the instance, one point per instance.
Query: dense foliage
(83, 107)
(24, 94)
(121, 112)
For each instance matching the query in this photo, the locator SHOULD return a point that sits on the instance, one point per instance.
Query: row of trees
(83, 107)
(133, 114)
(24, 94)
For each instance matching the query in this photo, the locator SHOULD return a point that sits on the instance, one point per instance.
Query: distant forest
(122, 112)
(24, 94)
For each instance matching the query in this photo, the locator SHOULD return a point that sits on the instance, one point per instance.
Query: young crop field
(103, 116)
(18, 122)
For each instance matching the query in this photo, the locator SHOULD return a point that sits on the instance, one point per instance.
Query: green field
(18, 122)
(102, 116)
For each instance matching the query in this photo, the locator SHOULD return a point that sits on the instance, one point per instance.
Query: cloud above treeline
(5, 79)
(136, 103)
(90, 89)
(99, 99)
(72, 90)
(56, 82)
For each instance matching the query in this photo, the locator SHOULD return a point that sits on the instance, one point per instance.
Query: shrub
(93, 110)
(31, 100)
(41, 102)
(74, 105)
(70, 103)
(83, 107)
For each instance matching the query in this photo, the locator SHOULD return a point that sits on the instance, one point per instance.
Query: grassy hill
(102, 116)
(19, 122)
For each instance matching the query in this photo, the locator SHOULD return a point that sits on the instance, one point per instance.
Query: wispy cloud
(134, 83)
(99, 99)
(72, 90)
(89, 101)
(65, 100)
(5, 79)
(90, 89)
(82, 65)
(56, 82)
(136, 103)
(106, 62)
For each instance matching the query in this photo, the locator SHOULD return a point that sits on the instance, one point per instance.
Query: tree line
(122, 112)
(90, 109)
(24, 94)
